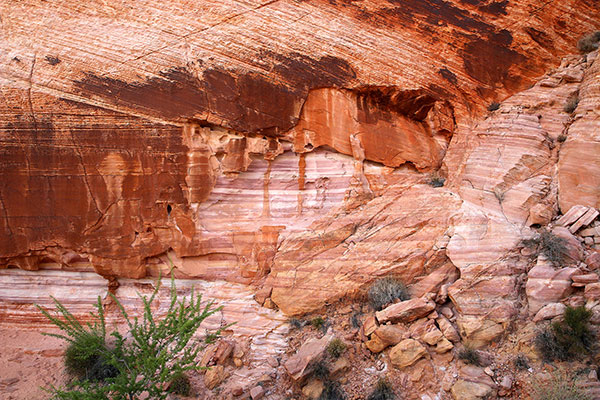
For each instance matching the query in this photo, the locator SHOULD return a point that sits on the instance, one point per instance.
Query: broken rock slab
(577, 217)
(300, 364)
(546, 284)
(406, 353)
(549, 311)
(432, 283)
(406, 311)
(387, 335)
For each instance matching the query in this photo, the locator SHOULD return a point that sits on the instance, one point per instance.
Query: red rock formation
(285, 144)
(578, 166)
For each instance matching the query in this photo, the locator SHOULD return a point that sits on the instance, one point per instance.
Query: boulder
(465, 390)
(546, 284)
(443, 346)
(375, 344)
(432, 336)
(406, 311)
(313, 389)
(338, 367)
(392, 334)
(300, 364)
(448, 329)
(418, 328)
(369, 326)
(214, 376)
(582, 280)
(593, 260)
(592, 291)
(540, 214)
(478, 331)
(257, 392)
(432, 283)
(387, 335)
(406, 353)
(549, 311)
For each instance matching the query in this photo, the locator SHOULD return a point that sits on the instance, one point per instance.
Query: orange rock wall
(281, 140)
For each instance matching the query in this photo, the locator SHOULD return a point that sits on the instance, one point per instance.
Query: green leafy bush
(385, 290)
(154, 353)
(83, 353)
(336, 348)
(383, 391)
(589, 42)
(469, 356)
(568, 338)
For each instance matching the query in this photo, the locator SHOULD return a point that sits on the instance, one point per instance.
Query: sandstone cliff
(281, 153)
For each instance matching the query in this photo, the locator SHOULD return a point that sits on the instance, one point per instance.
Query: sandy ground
(29, 361)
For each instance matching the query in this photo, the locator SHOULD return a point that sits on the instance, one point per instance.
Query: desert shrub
(561, 138)
(552, 246)
(589, 42)
(336, 348)
(332, 391)
(521, 362)
(436, 180)
(321, 370)
(317, 323)
(469, 356)
(151, 356)
(383, 391)
(561, 386)
(385, 290)
(548, 347)
(296, 323)
(355, 319)
(572, 103)
(180, 384)
(493, 106)
(567, 339)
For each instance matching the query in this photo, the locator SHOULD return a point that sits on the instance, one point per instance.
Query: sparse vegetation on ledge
(572, 103)
(493, 106)
(589, 42)
(552, 246)
(385, 291)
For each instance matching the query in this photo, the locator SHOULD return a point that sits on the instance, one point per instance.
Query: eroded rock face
(241, 145)
(107, 126)
(407, 222)
(382, 124)
(578, 163)
(507, 170)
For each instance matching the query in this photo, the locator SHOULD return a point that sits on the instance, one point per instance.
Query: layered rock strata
(287, 145)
